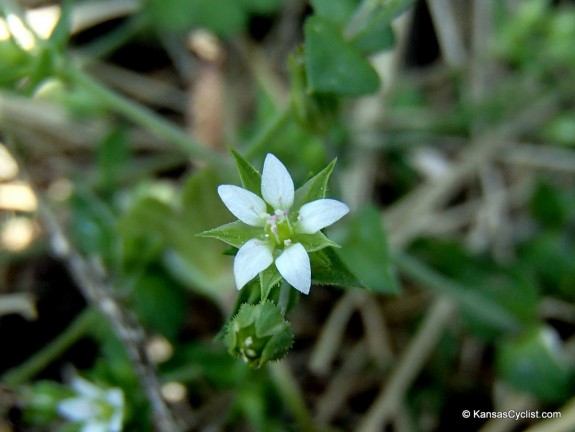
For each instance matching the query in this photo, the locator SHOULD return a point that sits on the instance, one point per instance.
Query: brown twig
(97, 288)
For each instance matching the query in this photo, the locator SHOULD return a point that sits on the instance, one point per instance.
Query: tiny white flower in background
(278, 242)
(98, 410)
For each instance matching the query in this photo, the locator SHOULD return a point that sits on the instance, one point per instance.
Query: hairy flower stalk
(283, 228)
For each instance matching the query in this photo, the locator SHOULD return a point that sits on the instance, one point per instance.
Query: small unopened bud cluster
(259, 334)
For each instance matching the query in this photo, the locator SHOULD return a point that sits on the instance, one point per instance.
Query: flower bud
(258, 334)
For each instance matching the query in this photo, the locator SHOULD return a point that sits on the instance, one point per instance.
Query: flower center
(279, 228)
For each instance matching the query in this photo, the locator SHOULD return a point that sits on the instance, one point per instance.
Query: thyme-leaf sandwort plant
(277, 230)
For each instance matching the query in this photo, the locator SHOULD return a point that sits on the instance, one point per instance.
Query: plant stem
(27, 370)
(292, 395)
(147, 119)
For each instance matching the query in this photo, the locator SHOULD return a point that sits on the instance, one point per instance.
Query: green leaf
(536, 362)
(113, 155)
(328, 269)
(315, 111)
(365, 251)
(315, 188)
(503, 288)
(250, 177)
(199, 262)
(224, 17)
(376, 36)
(269, 278)
(476, 302)
(338, 12)
(235, 233)
(261, 6)
(334, 65)
(155, 294)
(141, 240)
(93, 224)
(551, 206)
(315, 242)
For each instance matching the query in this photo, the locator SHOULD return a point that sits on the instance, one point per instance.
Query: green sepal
(235, 233)
(315, 188)
(249, 176)
(259, 334)
(269, 278)
(315, 242)
(327, 268)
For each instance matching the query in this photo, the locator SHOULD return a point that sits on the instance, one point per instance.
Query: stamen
(287, 242)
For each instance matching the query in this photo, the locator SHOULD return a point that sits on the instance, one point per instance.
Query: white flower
(280, 228)
(98, 410)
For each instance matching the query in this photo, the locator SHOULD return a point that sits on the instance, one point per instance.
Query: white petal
(253, 257)
(115, 424)
(77, 409)
(96, 426)
(86, 388)
(293, 265)
(245, 205)
(318, 214)
(115, 398)
(277, 185)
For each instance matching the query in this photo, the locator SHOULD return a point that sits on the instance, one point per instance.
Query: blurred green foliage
(143, 228)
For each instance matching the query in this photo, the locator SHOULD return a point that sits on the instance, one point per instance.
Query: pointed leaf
(315, 242)
(329, 269)
(315, 188)
(338, 12)
(334, 65)
(376, 36)
(235, 233)
(366, 253)
(250, 177)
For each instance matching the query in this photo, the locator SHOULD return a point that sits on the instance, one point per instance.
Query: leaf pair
(339, 37)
